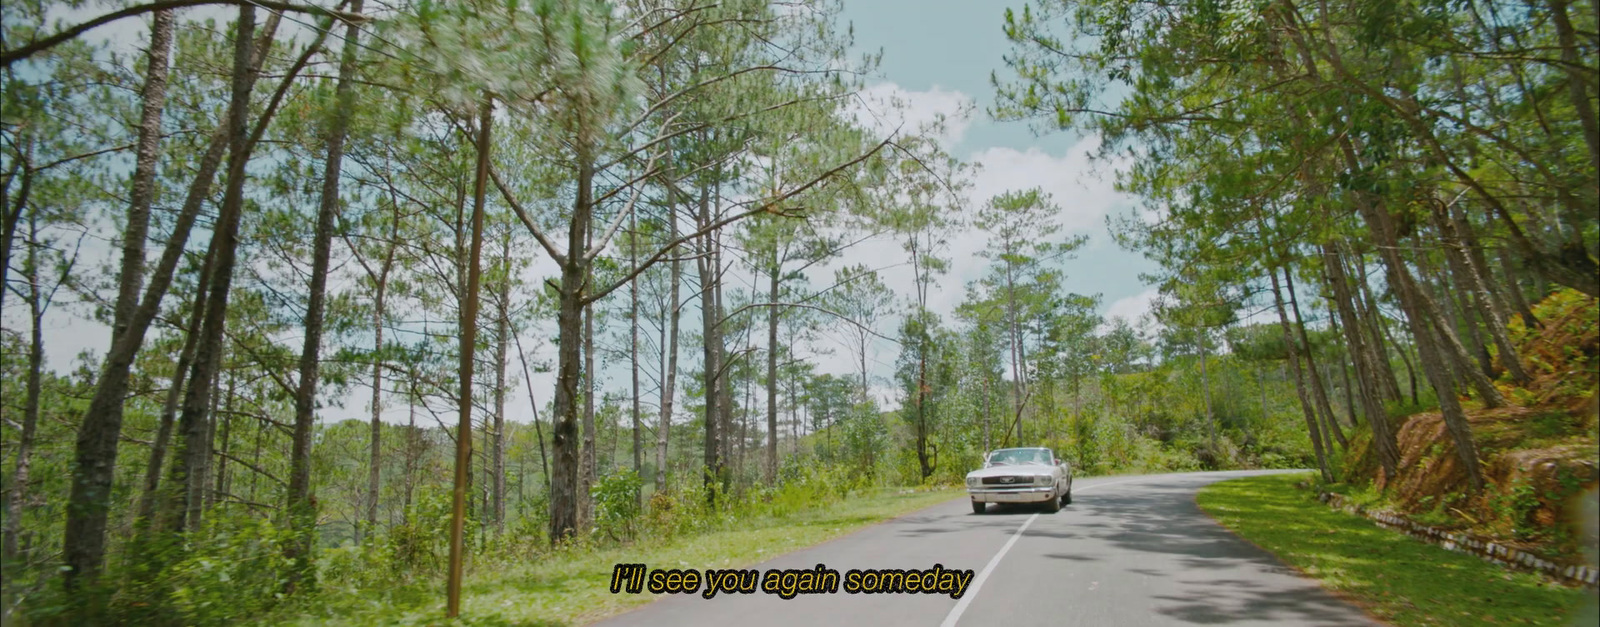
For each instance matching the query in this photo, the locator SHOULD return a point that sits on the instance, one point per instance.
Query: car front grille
(1009, 480)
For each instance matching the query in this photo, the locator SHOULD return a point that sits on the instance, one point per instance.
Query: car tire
(979, 508)
(1066, 499)
(1053, 505)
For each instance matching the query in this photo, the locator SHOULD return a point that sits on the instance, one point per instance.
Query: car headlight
(972, 482)
(1041, 480)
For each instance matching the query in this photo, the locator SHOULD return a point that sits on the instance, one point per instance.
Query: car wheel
(1053, 505)
(979, 508)
(1067, 498)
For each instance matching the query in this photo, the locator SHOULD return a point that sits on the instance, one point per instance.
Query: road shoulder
(1391, 576)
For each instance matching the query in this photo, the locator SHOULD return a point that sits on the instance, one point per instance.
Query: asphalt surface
(1127, 551)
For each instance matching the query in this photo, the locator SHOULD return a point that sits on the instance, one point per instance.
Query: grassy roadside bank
(572, 587)
(1394, 577)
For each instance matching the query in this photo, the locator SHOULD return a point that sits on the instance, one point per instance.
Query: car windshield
(1015, 456)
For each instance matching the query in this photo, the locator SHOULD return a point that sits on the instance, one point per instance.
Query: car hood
(1019, 469)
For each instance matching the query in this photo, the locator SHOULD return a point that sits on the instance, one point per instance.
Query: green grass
(1394, 577)
(573, 587)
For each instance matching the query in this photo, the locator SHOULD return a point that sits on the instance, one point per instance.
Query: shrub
(616, 503)
(234, 568)
(417, 546)
(805, 487)
(1563, 355)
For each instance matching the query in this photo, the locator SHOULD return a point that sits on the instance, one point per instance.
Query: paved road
(1128, 551)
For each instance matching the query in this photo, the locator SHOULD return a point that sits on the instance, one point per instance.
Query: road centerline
(954, 616)
(977, 584)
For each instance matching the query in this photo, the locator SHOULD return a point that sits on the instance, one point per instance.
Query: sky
(938, 62)
(944, 58)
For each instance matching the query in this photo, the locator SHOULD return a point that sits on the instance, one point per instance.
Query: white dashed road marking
(977, 584)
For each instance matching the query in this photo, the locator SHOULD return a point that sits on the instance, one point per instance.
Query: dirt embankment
(1540, 457)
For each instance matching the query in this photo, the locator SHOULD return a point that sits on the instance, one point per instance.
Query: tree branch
(9, 57)
(616, 223)
(805, 306)
(765, 207)
(87, 155)
(522, 214)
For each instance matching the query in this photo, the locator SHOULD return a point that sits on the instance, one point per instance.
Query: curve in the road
(1130, 551)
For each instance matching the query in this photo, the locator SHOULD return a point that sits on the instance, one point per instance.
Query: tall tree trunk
(866, 386)
(1419, 314)
(925, 465)
(1364, 360)
(483, 510)
(1299, 382)
(1205, 384)
(153, 98)
(375, 438)
(1453, 293)
(986, 410)
(1457, 299)
(633, 348)
(1415, 301)
(564, 442)
(533, 403)
(18, 490)
(771, 464)
(1472, 309)
(1514, 288)
(302, 507)
(1344, 379)
(590, 472)
(410, 454)
(193, 446)
(1319, 393)
(709, 267)
(200, 478)
(670, 376)
(924, 461)
(469, 342)
(148, 496)
(497, 446)
(794, 411)
(220, 479)
(1434, 367)
(255, 455)
(1014, 331)
(724, 375)
(1450, 345)
(11, 216)
(590, 453)
(1479, 265)
(1382, 337)
(1368, 309)
(1405, 360)
(1469, 270)
(1578, 84)
(95, 454)
(746, 410)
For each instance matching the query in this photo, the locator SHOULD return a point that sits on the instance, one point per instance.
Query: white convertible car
(1021, 475)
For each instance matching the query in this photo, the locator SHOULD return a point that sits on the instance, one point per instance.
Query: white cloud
(1083, 189)
(885, 107)
(1132, 307)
